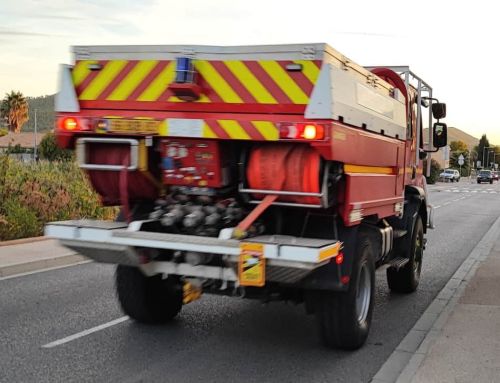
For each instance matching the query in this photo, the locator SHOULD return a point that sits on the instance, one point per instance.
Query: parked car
(485, 176)
(451, 175)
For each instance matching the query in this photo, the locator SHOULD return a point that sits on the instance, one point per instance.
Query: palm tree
(14, 109)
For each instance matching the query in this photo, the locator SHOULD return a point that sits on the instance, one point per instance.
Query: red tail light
(307, 131)
(69, 123)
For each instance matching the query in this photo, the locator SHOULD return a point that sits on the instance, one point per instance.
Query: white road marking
(44, 270)
(446, 203)
(437, 207)
(85, 333)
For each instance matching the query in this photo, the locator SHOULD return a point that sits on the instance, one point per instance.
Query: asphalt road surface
(45, 320)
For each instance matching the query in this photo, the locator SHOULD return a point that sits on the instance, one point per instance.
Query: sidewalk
(25, 257)
(468, 347)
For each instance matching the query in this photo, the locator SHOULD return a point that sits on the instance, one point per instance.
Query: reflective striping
(222, 129)
(368, 169)
(285, 82)
(117, 80)
(207, 132)
(234, 129)
(329, 252)
(267, 129)
(310, 69)
(159, 84)
(81, 71)
(251, 83)
(218, 84)
(105, 76)
(132, 80)
(232, 82)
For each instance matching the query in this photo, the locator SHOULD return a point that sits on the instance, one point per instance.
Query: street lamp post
(35, 147)
(486, 147)
(488, 158)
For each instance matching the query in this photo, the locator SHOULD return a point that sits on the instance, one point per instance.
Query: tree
(481, 149)
(435, 170)
(458, 148)
(14, 109)
(50, 151)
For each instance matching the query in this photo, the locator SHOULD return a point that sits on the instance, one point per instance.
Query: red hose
(285, 167)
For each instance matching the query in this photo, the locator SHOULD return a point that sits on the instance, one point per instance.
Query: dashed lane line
(85, 332)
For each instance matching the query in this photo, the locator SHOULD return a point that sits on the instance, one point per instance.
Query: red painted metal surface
(192, 162)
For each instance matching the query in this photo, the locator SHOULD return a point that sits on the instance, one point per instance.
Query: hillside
(455, 134)
(44, 106)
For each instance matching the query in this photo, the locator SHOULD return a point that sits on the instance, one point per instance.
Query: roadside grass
(32, 194)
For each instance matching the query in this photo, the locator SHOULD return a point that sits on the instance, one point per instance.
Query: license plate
(252, 265)
(185, 127)
(134, 126)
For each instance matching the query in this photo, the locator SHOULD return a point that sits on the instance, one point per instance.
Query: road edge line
(40, 265)
(403, 363)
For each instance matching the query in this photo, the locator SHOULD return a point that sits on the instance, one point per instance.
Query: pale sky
(452, 46)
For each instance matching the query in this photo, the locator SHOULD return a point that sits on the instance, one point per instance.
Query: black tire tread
(147, 299)
(402, 280)
(335, 312)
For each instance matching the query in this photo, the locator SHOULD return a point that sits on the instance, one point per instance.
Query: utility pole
(486, 147)
(35, 148)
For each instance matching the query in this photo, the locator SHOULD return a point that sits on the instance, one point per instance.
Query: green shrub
(50, 151)
(435, 171)
(36, 193)
(3, 132)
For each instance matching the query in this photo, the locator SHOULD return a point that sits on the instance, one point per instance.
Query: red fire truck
(280, 172)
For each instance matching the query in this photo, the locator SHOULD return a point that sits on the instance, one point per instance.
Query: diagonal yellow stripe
(217, 82)
(159, 84)
(208, 132)
(310, 70)
(285, 82)
(267, 129)
(132, 80)
(81, 71)
(234, 129)
(102, 80)
(250, 82)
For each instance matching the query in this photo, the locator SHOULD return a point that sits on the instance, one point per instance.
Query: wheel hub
(363, 295)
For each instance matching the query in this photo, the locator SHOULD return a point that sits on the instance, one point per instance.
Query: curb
(23, 240)
(39, 265)
(403, 363)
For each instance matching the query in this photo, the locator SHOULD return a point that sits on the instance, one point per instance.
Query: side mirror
(439, 134)
(439, 110)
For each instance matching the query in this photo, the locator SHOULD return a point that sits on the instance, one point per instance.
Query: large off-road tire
(148, 299)
(407, 278)
(344, 318)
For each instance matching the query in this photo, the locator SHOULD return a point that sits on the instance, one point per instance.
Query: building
(24, 141)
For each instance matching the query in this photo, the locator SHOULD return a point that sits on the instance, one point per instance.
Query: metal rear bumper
(288, 259)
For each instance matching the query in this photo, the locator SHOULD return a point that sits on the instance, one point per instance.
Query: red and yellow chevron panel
(231, 130)
(232, 82)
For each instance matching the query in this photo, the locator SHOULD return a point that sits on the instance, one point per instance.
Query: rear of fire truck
(271, 172)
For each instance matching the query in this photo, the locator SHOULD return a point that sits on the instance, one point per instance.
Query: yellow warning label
(252, 265)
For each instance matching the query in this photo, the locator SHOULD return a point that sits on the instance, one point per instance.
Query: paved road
(218, 339)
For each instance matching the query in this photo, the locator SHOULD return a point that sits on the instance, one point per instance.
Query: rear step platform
(119, 243)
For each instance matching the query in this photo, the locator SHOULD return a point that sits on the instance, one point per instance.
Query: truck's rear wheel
(407, 278)
(344, 318)
(147, 299)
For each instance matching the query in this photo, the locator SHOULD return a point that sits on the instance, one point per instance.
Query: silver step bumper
(287, 259)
